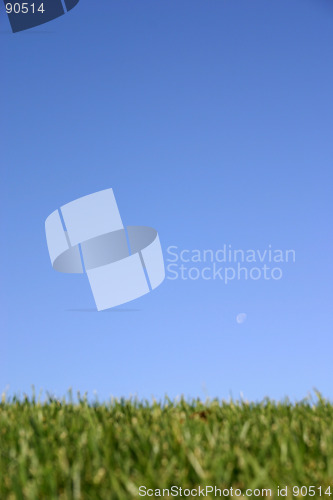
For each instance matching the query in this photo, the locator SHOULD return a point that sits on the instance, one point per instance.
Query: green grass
(62, 450)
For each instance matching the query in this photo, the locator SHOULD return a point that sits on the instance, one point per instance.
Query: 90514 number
(24, 8)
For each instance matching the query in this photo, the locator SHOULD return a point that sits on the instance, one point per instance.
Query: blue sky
(212, 121)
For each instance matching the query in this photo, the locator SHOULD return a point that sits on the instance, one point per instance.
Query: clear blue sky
(212, 120)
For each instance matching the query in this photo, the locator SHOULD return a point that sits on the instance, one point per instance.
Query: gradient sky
(212, 121)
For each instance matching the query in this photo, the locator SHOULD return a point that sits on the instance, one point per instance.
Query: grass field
(62, 450)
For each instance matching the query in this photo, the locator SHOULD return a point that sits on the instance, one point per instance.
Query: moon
(241, 317)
